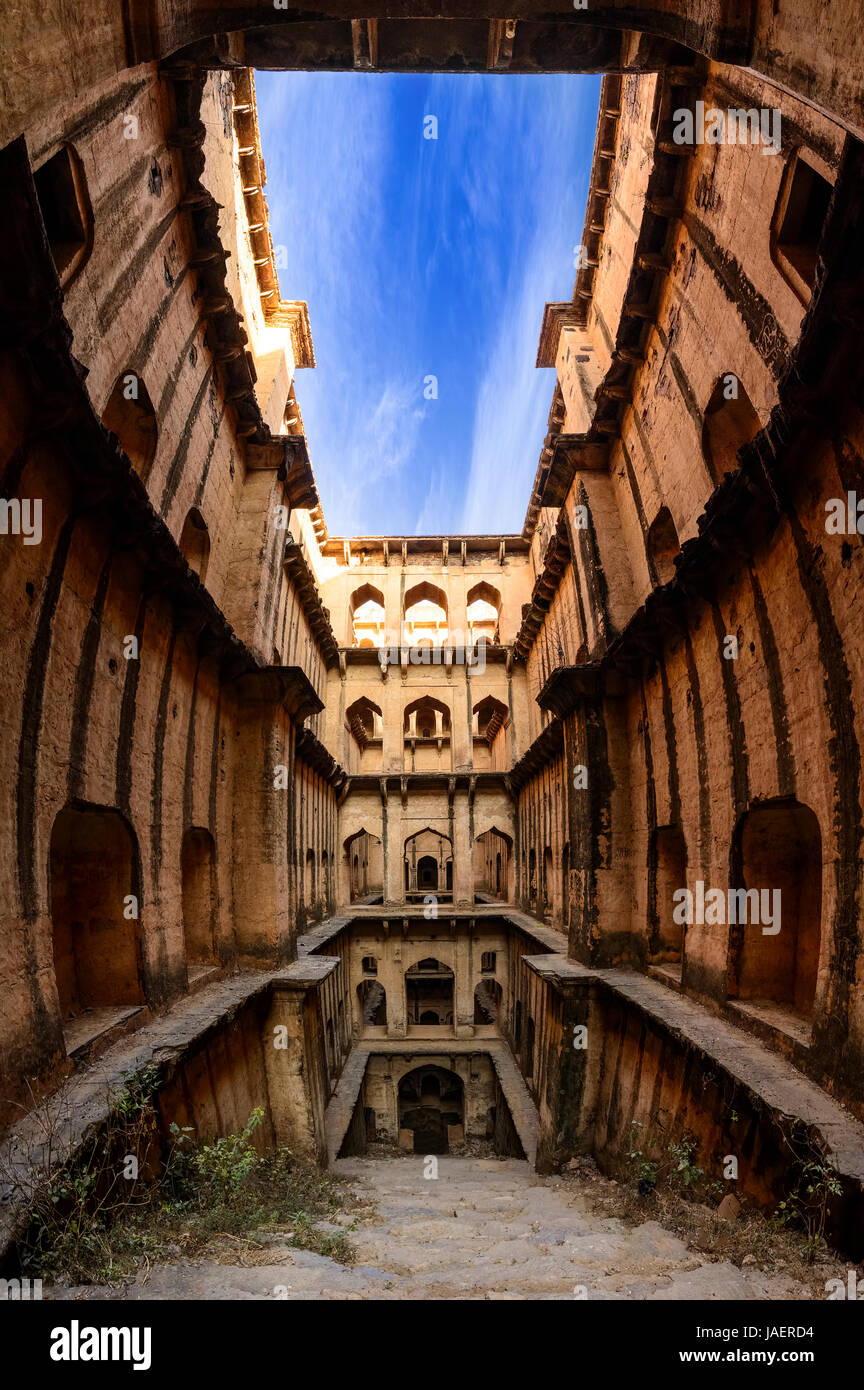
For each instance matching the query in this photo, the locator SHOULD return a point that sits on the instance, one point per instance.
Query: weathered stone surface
(481, 1230)
(235, 743)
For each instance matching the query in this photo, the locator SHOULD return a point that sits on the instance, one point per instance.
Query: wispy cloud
(514, 397)
(379, 447)
(328, 148)
(425, 257)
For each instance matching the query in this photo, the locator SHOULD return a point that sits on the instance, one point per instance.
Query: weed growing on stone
(674, 1164)
(753, 1240)
(814, 1183)
(129, 1197)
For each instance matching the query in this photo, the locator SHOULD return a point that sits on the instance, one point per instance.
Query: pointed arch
(662, 546)
(366, 617)
(195, 543)
(426, 717)
(424, 593)
(364, 719)
(363, 857)
(490, 715)
(729, 422)
(493, 854)
(425, 615)
(428, 862)
(129, 414)
(483, 611)
(484, 593)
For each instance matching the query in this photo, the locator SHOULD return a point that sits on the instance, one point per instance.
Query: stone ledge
(87, 1098)
(778, 1084)
(770, 1077)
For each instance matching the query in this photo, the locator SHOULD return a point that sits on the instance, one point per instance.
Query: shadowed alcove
(94, 912)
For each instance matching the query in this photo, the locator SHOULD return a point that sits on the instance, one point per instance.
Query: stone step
(337, 1116)
(516, 1093)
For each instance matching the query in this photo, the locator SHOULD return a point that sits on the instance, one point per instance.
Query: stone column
(393, 601)
(394, 874)
(463, 869)
(460, 733)
(458, 614)
(397, 1026)
(271, 704)
(296, 1101)
(392, 704)
(463, 1012)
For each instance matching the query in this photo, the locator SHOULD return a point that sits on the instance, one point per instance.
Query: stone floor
(483, 1229)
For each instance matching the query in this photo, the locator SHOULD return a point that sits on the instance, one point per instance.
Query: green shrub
(90, 1223)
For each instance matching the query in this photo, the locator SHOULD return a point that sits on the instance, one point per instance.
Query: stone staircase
(468, 1229)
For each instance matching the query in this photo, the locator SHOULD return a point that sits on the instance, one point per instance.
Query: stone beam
(814, 52)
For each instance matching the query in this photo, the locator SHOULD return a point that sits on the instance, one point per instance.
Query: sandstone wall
(710, 682)
(144, 738)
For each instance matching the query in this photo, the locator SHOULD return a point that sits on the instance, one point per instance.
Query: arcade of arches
(460, 796)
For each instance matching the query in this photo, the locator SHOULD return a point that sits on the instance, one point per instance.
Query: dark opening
(671, 874)
(730, 422)
(198, 894)
(431, 1102)
(96, 945)
(427, 872)
(565, 885)
(130, 415)
(309, 881)
(778, 846)
(365, 863)
(372, 1001)
(807, 196)
(547, 880)
(429, 992)
(195, 543)
(662, 544)
(60, 189)
(487, 1001)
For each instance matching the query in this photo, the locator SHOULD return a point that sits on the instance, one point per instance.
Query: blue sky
(420, 258)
